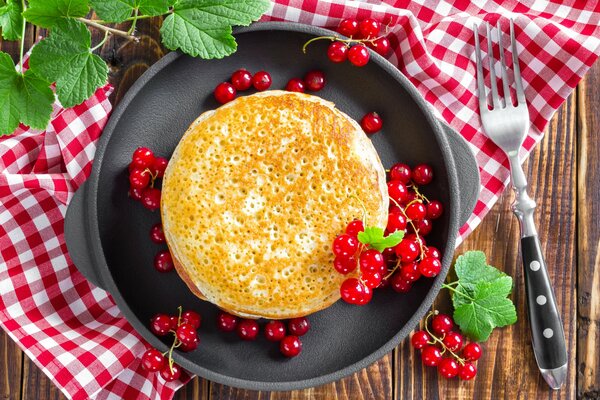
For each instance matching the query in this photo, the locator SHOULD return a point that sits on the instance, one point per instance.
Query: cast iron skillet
(107, 233)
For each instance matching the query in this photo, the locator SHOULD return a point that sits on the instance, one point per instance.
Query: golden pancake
(254, 195)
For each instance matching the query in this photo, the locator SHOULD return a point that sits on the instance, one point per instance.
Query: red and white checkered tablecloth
(75, 333)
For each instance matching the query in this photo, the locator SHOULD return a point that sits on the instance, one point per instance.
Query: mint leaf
(487, 310)
(23, 98)
(373, 236)
(120, 10)
(203, 27)
(65, 57)
(52, 13)
(11, 19)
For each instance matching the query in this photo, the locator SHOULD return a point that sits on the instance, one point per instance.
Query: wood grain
(588, 243)
(564, 175)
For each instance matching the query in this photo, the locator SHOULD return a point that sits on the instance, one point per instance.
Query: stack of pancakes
(254, 195)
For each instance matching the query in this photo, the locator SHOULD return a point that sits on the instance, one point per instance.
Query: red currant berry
(399, 284)
(372, 279)
(139, 179)
(192, 318)
(416, 211)
(441, 324)
(420, 339)
(187, 347)
(186, 333)
(261, 81)
(163, 262)
(314, 80)
(448, 368)
(433, 252)
(354, 291)
(435, 209)
(424, 227)
(170, 373)
(400, 172)
(160, 324)
(151, 198)
(337, 52)
(385, 282)
(157, 235)
(344, 265)
(467, 372)
(355, 227)
(298, 326)
(369, 28)
(371, 123)
(136, 193)
(431, 356)
(174, 321)
(430, 267)
(371, 261)
(407, 250)
(152, 360)
(247, 329)
(345, 245)
(381, 46)
(397, 191)
(295, 85)
(225, 92)
(159, 166)
(290, 346)
(396, 222)
(472, 351)
(274, 331)
(142, 158)
(422, 174)
(453, 341)
(358, 55)
(389, 255)
(410, 272)
(241, 79)
(348, 27)
(227, 322)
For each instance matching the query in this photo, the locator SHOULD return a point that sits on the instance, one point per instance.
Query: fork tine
(490, 52)
(517, 70)
(505, 86)
(480, 83)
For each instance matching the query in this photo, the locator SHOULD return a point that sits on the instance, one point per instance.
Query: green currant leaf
(65, 57)
(120, 10)
(24, 98)
(52, 13)
(203, 27)
(11, 19)
(373, 236)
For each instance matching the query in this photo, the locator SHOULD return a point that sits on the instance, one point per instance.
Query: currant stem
(390, 273)
(440, 341)
(135, 18)
(338, 39)
(114, 31)
(457, 292)
(362, 205)
(179, 310)
(22, 44)
(106, 33)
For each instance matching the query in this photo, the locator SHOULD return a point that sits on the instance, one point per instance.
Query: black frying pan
(107, 233)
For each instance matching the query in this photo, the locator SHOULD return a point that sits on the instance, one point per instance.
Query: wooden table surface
(564, 174)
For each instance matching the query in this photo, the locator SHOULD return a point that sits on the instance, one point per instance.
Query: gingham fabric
(75, 333)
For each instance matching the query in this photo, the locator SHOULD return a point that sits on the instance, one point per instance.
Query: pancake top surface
(254, 195)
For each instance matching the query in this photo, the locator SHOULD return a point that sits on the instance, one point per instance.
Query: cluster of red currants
(274, 331)
(361, 34)
(441, 348)
(184, 328)
(411, 212)
(240, 81)
(144, 168)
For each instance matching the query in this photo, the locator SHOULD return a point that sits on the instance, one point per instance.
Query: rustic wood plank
(11, 362)
(196, 389)
(588, 241)
(371, 383)
(507, 369)
(36, 385)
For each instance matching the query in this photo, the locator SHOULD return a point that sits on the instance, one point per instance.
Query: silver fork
(507, 125)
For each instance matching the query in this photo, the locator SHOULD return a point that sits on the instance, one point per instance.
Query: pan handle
(467, 172)
(77, 240)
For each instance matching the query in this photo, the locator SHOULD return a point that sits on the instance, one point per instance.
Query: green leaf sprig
(479, 296)
(196, 27)
(373, 236)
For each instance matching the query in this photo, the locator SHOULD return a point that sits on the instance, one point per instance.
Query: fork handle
(547, 334)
